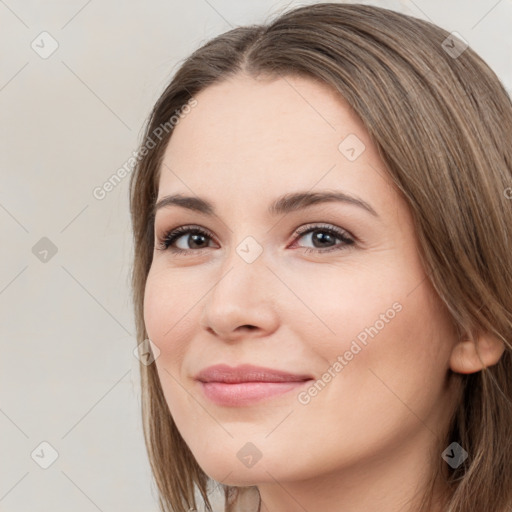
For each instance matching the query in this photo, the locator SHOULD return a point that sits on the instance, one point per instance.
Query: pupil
(195, 237)
(322, 237)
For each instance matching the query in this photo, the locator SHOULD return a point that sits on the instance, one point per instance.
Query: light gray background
(69, 121)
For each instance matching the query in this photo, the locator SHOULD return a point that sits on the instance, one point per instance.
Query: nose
(242, 301)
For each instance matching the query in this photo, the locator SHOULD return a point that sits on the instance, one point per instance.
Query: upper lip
(247, 373)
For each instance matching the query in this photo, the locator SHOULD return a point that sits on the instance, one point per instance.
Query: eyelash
(169, 237)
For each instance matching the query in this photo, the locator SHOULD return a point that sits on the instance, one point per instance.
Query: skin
(367, 439)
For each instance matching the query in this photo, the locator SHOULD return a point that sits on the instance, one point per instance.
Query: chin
(237, 470)
(235, 475)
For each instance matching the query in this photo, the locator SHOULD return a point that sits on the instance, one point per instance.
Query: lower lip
(246, 393)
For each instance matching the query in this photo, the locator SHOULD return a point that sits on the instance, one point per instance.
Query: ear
(470, 356)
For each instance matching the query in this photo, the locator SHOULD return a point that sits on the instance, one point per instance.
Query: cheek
(170, 299)
(156, 304)
(377, 392)
(169, 320)
(340, 304)
(380, 334)
(168, 316)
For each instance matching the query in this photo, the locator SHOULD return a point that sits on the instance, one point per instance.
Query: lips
(247, 373)
(246, 384)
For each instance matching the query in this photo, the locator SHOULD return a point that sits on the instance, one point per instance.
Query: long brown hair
(442, 123)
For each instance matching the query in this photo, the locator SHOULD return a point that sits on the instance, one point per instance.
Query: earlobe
(470, 356)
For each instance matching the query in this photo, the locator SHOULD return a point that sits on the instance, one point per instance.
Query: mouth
(246, 384)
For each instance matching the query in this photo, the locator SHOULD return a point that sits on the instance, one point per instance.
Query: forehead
(248, 136)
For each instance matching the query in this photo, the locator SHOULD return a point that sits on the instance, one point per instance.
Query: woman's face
(345, 301)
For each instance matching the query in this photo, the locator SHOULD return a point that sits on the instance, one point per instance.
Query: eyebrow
(283, 204)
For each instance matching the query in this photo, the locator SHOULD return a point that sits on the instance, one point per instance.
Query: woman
(322, 266)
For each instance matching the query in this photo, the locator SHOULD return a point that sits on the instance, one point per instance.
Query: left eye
(198, 238)
(325, 235)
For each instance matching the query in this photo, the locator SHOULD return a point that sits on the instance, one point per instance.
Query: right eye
(192, 235)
